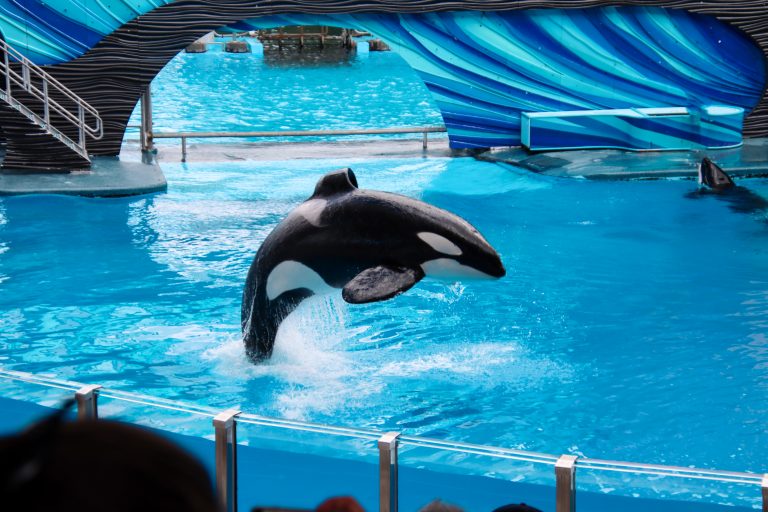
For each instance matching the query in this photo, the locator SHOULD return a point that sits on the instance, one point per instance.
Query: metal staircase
(42, 100)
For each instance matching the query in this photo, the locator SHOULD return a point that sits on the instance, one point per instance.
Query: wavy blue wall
(52, 31)
(483, 68)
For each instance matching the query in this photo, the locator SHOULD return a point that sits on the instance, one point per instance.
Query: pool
(631, 324)
(279, 91)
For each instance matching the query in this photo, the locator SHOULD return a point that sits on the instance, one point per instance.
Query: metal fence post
(183, 149)
(7, 63)
(225, 428)
(46, 103)
(25, 77)
(87, 406)
(765, 493)
(388, 472)
(81, 119)
(147, 136)
(565, 483)
(424, 144)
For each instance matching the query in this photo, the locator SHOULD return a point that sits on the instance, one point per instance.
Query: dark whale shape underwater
(373, 245)
(714, 181)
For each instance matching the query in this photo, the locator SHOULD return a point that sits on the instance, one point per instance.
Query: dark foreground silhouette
(98, 465)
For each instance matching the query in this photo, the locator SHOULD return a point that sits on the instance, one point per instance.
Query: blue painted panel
(54, 31)
(712, 127)
(486, 69)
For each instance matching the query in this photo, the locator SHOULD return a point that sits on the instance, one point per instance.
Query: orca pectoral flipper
(380, 283)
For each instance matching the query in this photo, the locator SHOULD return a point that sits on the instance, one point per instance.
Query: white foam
(316, 371)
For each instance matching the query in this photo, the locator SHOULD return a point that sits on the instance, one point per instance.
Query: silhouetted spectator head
(340, 504)
(522, 507)
(440, 506)
(99, 465)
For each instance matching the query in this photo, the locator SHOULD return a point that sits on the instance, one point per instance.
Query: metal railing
(225, 438)
(424, 130)
(34, 81)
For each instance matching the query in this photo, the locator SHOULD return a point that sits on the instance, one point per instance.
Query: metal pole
(388, 472)
(81, 119)
(25, 75)
(424, 145)
(565, 483)
(87, 406)
(147, 128)
(765, 493)
(225, 429)
(183, 149)
(46, 105)
(7, 72)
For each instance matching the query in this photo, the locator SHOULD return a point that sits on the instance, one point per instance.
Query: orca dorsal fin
(336, 182)
(711, 175)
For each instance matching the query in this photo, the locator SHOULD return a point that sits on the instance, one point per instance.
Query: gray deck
(751, 159)
(108, 177)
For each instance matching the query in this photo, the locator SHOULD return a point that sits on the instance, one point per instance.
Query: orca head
(460, 251)
(712, 176)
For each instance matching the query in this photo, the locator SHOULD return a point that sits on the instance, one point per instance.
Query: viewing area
(255, 459)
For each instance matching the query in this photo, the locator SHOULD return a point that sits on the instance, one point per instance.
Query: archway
(113, 73)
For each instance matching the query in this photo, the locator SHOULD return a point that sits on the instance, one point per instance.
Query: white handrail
(30, 72)
(414, 441)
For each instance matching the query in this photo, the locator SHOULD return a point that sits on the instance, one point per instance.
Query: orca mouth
(496, 268)
(499, 272)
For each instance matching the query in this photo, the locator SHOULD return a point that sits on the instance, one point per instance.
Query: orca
(373, 245)
(713, 177)
(714, 181)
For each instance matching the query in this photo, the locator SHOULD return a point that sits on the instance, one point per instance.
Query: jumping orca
(715, 181)
(373, 245)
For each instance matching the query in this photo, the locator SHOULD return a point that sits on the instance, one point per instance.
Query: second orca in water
(716, 182)
(373, 245)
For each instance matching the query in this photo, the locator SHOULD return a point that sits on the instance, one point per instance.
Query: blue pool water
(332, 90)
(631, 325)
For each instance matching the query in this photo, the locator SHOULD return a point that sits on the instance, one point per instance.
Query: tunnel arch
(112, 75)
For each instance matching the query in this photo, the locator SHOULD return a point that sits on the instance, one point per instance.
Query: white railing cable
(83, 116)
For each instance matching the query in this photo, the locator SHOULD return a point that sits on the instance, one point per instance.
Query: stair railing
(31, 73)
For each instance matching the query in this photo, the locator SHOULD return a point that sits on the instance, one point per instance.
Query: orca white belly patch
(446, 267)
(440, 243)
(292, 275)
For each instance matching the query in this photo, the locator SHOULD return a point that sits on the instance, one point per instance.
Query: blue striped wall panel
(485, 69)
(679, 128)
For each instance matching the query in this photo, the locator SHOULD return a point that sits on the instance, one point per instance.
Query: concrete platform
(751, 159)
(170, 153)
(108, 177)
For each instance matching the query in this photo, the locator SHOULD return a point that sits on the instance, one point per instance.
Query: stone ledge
(108, 177)
(750, 159)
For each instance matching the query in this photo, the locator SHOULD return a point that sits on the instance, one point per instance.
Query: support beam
(765, 493)
(87, 406)
(565, 482)
(147, 127)
(388, 472)
(225, 429)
